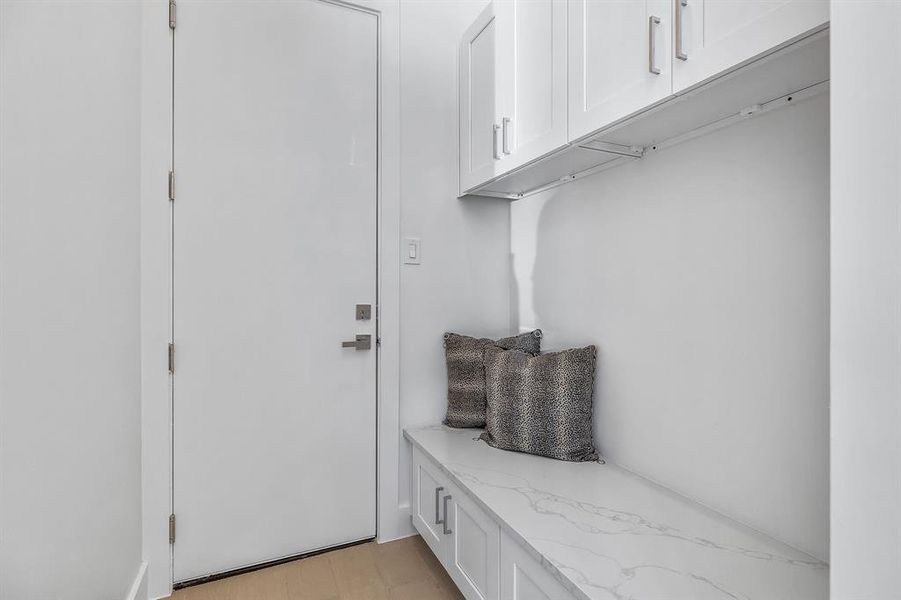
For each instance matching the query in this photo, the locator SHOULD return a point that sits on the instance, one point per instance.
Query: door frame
(157, 47)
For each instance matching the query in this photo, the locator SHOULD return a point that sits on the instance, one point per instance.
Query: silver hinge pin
(171, 185)
(172, 358)
(171, 14)
(172, 528)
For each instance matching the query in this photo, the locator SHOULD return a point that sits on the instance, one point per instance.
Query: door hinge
(171, 14)
(171, 185)
(172, 358)
(172, 528)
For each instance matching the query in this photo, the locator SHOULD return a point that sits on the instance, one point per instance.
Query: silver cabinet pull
(506, 135)
(497, 143)
(446, 530)
(438, 520)
(362, 342)
(652, 45)
(680, 51)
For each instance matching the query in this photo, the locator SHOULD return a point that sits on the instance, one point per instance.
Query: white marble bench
(517, 527)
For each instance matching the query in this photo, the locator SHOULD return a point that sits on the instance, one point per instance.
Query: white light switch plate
(411, 250)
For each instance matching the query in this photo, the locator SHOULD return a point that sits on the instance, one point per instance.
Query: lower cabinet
(523, 577)
(484, 563)
(473, 549)
(462, 536)
(429, 489)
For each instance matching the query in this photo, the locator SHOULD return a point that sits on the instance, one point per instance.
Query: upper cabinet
(544, 84)
(479, 113)
(532, 77)
(512, 87)
(620, 60)
(712, 36)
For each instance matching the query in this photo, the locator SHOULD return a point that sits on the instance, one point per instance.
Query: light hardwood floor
(401, 570)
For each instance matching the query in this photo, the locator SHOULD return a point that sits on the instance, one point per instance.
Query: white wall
(866, 300)
(701, 273)
(462, 283)
(70, 500)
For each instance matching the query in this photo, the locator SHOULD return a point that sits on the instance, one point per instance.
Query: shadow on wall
(562, 267)
(701, 273)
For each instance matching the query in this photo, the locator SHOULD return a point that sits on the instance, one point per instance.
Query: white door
(619, 60)
(712, 36)
(531, 76)
(479, 113)
(472, 559)
(274, 245)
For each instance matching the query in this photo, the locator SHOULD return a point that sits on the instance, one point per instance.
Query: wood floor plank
(311, 579)
(400, 570)
(266, 584)
(372, 591)
(355, 569)
(426, 589)
(400, 562)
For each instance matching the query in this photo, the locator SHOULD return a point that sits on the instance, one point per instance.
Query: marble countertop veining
(608, 534)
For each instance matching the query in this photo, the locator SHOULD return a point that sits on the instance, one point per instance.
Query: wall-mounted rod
(610, 148)
(745, 113)
(633, 152)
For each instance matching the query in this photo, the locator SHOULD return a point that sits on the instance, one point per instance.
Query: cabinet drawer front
(427, 485)
(474, 553)
(523, 578)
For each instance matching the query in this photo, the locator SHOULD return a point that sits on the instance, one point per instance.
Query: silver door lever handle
(362, 342)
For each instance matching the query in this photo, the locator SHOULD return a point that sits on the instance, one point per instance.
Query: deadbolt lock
(364, 312)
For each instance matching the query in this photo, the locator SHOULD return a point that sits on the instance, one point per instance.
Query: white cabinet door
(473, 555)
(712, 36)
(429, 487)
(479, 118)
(531, 47)
(620, 57)
(523, 577)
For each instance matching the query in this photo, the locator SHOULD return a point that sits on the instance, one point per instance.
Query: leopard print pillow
(541, 404)
(466, 373)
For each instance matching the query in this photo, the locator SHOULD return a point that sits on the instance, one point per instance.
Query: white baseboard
(138, 590)
(401, 536)
(399, 527)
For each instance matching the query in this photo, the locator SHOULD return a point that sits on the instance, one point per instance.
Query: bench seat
(591, 531)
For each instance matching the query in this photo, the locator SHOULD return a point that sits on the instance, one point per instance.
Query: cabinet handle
(497, 143)
(438, 491)
(652, 45)
(506, 135)
(680, 51)
(446, 530)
